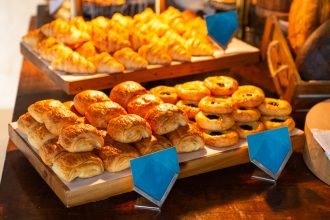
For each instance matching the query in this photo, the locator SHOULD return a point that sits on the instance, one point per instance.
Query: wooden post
(75, 8)
(160, 6)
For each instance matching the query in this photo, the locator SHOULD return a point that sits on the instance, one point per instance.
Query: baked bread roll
(55, 52)
(166, 93)
(106, 64)
(39, 108)
(155, 54)
(186, 139)
(39, 135)
(128, 128)
(130, 59)
(80, 138)
(70, 105)
(141, 104)
(165, 118)
(87, 49)
(123, 92)
(152, 144)
(69, 166)
(85, 98)
(99, 114)
(26, 123)
(116, 156)
(33, 37)
(49, 151)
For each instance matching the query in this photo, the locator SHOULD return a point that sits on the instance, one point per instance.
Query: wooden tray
(237, 53)
(90, 190)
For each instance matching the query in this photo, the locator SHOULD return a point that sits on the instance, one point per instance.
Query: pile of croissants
(81, 138)
(121, 43)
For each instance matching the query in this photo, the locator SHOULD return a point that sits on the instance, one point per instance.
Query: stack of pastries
(122, 42)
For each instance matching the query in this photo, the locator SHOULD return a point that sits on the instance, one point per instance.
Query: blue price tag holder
(270, 150)
(155, 174)
(222, 27)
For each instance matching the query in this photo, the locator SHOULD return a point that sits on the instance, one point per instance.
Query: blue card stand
(154, 176)
(269, 151)
(222, 27)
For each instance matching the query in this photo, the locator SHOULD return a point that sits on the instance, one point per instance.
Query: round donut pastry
(39, 135)
(245, 128)
(272, 122)
(26, 122)
(85, 98)
(218, 105)
(39, 108)
(220, 138)
(128, 128)
(275, 107)
(190, 108)
(165, 118)
(214, 122)
(243, 114)
(193, 91)
(166, 93)
(123, 92)
(141, 104)
(100, 113)
(221, 85)
(248, 96)
(70, 105)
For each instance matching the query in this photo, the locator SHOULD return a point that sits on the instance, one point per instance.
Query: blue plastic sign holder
(154, 176)
(270, 151)
(222, 27)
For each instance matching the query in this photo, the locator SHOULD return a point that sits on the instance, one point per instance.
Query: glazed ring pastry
(243, 114)
(190, 108)
(221, 105)
(220, 138)
(245, 128)
(214, 122)
(193, 91)
(248, 96)
(166, 93)
(85, 98)
(221, 85)
(275, 107)
(141, 104)
(272, 122)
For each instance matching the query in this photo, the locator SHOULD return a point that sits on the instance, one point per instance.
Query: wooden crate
(101, 190)
(237, 53)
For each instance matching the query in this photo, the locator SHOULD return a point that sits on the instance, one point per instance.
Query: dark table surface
(227, 194)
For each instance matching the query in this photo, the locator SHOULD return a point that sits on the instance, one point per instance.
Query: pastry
(218, 105)
(272, 122)
(85, 98)
(248, 96)
(190, 108)
(44, 45)
(145, 16)
(87, 49)
(105, 63)
(139, 38)
(141, 104)
(214, 122)
(130, 59)
(39, 135)
(70, 105)
(275, 107)
(55, 52)
(155, 54)
(49, 151)
(221, 85)
(178, 52)
(199, 48)
(33, 37)
(192, 91)
(153, 144)
(26, 122)
(116, 42)
(246, 128)
(166, 93)
(81, 24)
(225, 138)
(243, 114)
(39, 108)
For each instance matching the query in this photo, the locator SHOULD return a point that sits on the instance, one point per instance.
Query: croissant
(139, 38)
(158, 27)
(74, 63)
(130, 59)
(173, 37)
(33, 37)
(145, 16)
(87, 49)
(49, 151)
(105, 63)
(38, 109)
(100, 38)
(26, 122)
(101, 23)
(155, 54)
(116, 42)
(81, 24)
(199, 24)
(188, 15)
(152, 144)
(125, 21)
(69, 166)
(120, 29)
(199, 48)
(178, 52)
(55, 52)
(39, 135)
(45, 44)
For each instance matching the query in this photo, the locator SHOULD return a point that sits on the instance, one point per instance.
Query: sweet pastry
(165, 118)
(158, 27)
(26, 123)
(123, 92)
(44, 45)
(224, 138)
(243, 114)
(39, 108)
(49, 151)
(141, 104)
(87, 49)
(128, 128)
(98, 114)
(55, 52)
(245, 128)
(80, 138)
(147, 15)
(105, 63)
(193, 91)
(116, 42)
(116, 156)
(178, 52)
(39, 135)
(125, 21)
(275, 107)
(33, 37)
(70, 105)
(199, 48)
(166, 93)
(190, 108)
(139, 38)
(155, 54)
(130, 59)
(186, 139)
(218, 105)
(74, 63)
(272, 122)
(69, 166)
(214, 122)
(248, 96)
(153, 144)
(221, 85)
(81, 24)
(85, 98)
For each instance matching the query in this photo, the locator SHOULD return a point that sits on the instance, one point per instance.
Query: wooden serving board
(82, 191)
(237, 53)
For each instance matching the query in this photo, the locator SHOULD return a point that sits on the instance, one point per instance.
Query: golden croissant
(45, 44)
(145, 16)
(81, 24)
(116, 42)
(199, 48)
(100, 39)
(178, 52)
(125, 21)
(158, 27)
(87, 49)
(106, 64)
(130, 59)
(74, 63)
(138, 39)
(155, 54)
(33, 37)
(55, 52)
